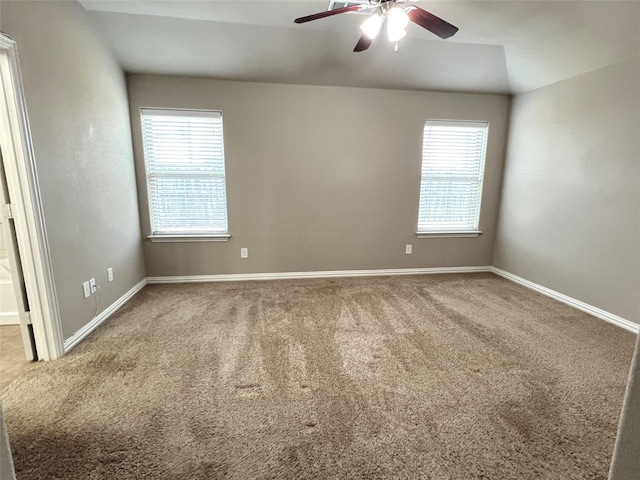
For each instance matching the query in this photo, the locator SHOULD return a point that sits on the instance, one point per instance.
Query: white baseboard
(234, 277)
(9, 318)
(585, 307)
(81, 334)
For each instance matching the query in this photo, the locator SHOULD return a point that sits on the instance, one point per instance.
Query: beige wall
(77, 106)
(570, 210)
(320, 178)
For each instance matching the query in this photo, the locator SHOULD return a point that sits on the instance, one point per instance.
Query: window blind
(184, 159)
(453, 157)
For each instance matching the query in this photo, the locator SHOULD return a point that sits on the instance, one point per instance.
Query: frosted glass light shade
(397, 20)
(395, 34)
(371, 26)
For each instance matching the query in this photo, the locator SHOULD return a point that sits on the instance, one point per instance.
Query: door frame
(8, 232)
(26, 206)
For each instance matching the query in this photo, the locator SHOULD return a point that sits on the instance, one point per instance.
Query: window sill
(224, 237)
(471, 234)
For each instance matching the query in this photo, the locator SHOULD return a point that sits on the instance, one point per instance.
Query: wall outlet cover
(86, 289)
(110, 274)
(244, 253)
(408, 249)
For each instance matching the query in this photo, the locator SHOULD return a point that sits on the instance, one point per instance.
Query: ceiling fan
(396, 16)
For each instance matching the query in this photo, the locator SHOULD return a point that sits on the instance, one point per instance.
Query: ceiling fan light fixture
(397, 20)
(396, 35)
(371, 26)
(398, 17)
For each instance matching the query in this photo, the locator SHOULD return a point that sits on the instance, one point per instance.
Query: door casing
(24, 191)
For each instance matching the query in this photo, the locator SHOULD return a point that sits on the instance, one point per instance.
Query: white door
(15, 266)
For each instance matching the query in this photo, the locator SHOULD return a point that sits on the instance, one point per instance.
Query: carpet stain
(442, 377)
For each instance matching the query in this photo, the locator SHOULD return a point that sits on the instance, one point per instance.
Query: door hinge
(7, 213)
(27, 317)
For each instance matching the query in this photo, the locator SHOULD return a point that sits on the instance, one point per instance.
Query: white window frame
(189, 235)
(473, 230)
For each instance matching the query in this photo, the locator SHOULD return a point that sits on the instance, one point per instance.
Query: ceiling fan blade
(329, 13)
(432, 23)
(363, 43)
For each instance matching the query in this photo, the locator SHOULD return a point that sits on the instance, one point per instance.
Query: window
(453, 155)
(184, 159)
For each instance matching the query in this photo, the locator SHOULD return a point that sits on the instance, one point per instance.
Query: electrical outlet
(86, 289)
(408, 249)
(110, 274)
(92, 284)
(244, 253)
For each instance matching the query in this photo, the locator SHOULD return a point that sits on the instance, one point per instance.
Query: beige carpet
(434, 377)
(13, 362)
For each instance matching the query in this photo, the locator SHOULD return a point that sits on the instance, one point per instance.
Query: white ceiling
(502, 46)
